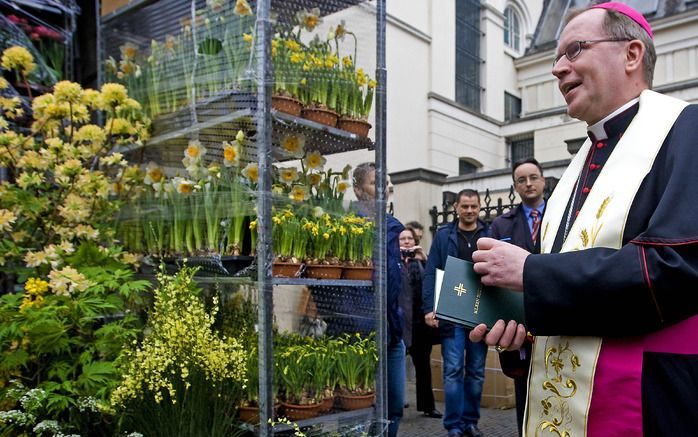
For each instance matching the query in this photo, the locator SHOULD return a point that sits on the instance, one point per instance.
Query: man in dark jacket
(364, 181)
(520, 227)
(462, 390)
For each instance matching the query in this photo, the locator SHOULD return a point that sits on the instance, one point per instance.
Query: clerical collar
(603, 129)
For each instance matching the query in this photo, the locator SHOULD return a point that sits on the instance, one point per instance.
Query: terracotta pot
(286, 104)
(295, 412)
(322, 116)
(357, 273)
(357, 127)
(356, 402)
(286, 270)
(323, 271)
(249, 414)
(326, 404)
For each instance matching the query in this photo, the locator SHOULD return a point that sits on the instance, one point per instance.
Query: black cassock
(650, 283)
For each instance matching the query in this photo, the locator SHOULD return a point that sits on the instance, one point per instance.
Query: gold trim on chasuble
(562, 368)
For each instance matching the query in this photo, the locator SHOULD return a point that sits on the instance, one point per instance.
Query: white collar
(598, 130)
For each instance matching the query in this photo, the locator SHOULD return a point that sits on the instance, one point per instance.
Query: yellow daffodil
(231, 154)
(314, 179)
(243, 8)
(251, 172)
(314, 160)
(294, 145)
(298, 193)
(288, 175)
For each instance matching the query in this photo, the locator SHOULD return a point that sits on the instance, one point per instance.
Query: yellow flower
(243, 8)
(248, 39)
(253, 225)
(314, 179)
(67, 281)
(128, 51)
(231, 154)
(293, 144)
(75, 209)
(113, 94)
(29, 179)
(347, 62)
(361, 77)
(340, 31)
(292, 45)
(372, 84)
(120, 126)
(3, 83)
(183, 186)
(7, 219)
(309, 20)
(194, 151)
(91, 133)
(342, 186)
(18, 58)
(314, 160)
(298, 193)
(288, 175)
(153, 174)
(35, 286)
(68, 92)
(251, 172)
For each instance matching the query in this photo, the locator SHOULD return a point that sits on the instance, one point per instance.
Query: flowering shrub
(70, 309)
(183, 378)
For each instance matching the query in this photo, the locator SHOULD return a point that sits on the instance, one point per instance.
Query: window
(512, 107)
(521, 148)
(466, 167)
(512, 29)
(468, 61)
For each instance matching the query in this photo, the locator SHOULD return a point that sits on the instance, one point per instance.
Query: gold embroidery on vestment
(555, 416)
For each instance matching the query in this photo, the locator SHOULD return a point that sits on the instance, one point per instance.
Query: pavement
(493, 422)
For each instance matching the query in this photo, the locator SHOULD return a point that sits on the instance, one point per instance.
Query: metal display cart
(211, 114)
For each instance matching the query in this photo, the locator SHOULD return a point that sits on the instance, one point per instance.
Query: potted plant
(289, 241)
(357, 359)
(321, 262)
(359, 247)
(325, 373)
(296, 364)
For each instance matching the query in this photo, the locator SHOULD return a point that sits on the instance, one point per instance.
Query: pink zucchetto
(629, 12)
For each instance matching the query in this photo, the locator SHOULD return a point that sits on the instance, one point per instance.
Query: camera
(408, 253)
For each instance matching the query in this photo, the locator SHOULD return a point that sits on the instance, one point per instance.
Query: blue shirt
(527, 212)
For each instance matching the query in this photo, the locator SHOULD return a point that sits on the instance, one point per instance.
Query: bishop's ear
(634, 55)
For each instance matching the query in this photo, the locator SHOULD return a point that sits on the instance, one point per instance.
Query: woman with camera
(417, 335)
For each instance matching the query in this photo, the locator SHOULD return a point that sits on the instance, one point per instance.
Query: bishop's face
(592, 82)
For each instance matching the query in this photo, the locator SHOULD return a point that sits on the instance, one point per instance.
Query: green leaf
(96, 375)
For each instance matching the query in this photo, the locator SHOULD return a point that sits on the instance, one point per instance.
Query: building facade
(470, 91)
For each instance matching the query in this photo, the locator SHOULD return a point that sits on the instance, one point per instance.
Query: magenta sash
(616, 401)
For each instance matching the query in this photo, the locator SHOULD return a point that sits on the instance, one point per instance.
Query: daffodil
(288, 175)
(251, 172)
(231, 154)
(243, 8)
(314, 160)
(293, 144)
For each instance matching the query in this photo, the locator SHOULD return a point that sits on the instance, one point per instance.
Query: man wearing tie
(520, 227)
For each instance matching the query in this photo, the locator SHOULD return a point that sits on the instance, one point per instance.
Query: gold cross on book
(460, 289)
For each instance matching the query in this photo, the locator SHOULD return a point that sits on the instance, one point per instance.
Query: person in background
(418, 229)
(521, 227)
(463, 379)
(364, 182)
(417, 335)
(612, 297)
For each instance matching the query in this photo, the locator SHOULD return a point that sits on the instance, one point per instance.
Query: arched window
(512, 29)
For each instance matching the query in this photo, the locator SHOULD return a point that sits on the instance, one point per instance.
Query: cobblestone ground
(493, 422)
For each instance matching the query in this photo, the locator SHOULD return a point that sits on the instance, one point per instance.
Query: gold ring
(500, 349)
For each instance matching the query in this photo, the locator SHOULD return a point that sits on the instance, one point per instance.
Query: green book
(461, 298)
